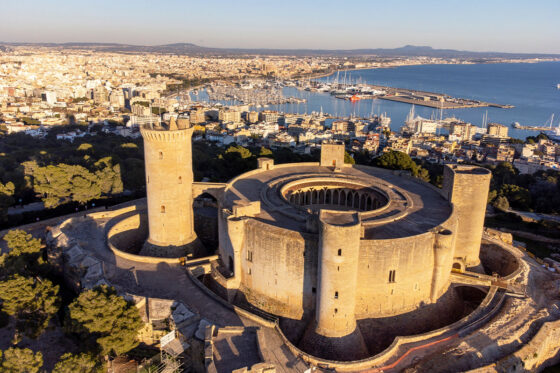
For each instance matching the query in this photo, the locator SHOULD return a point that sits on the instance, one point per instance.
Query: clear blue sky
(481, 25)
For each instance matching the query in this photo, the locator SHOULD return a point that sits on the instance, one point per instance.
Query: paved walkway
(170, 281)
(162, 280)
(35, 206)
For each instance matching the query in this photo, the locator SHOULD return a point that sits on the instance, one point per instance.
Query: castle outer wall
(403, 257)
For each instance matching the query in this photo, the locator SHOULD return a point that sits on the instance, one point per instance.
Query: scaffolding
(171, 358)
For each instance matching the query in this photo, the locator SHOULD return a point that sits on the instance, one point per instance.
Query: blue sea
(530, 87)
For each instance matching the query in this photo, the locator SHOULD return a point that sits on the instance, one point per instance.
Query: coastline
(324, 75)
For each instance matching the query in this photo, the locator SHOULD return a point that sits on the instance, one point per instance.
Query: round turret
(169, 177)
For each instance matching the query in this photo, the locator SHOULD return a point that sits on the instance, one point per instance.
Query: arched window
(160, 155)
(356, 204)
(162, 209)
(180, 180)
(363, 202)
(336, 295)
(339, 252)
(315, 197)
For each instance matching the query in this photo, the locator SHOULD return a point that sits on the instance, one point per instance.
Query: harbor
(359, 91)
(253, 93)
(483, 82)
(548, 128)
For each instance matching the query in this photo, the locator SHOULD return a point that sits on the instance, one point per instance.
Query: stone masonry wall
(169, 177)
(279, 269)
(411, 259)
(466, 187)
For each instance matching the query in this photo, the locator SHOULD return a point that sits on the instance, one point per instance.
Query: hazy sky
(480, 25)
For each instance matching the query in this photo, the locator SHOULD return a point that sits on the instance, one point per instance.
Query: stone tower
(466, 187)
(169, 177)
(339, 248)
(332, 154)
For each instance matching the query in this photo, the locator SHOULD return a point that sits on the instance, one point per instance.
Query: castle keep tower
(169, 177)
(339, 248)
(466, 187)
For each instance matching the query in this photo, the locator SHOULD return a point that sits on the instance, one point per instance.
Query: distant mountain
(193, 49)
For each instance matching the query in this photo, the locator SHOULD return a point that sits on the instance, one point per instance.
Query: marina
(252, 93)
(534, 96)
(354, 91)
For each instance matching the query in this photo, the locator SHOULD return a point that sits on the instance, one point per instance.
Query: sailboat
(553, 133)
(410, 117)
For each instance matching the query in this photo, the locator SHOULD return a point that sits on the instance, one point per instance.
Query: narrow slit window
(180, 180)
(163, 209)
(249, 256)
(160, 155)
(392, 275)
(339, 252)
(336, 295)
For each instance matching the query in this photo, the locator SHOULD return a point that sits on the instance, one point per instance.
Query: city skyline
(523, 27)
(245, 187)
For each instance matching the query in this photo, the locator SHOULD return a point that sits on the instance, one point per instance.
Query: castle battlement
(164, 135)
(169, 177)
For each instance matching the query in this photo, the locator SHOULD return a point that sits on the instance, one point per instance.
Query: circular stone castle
(336, 266)
(320, 244)
(342, 242)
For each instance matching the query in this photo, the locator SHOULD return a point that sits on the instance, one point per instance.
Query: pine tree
(21, 360)
(6, 199)
(110, 317)
(24, 253)
(82, 363)
(31, 300)
(20, 242)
